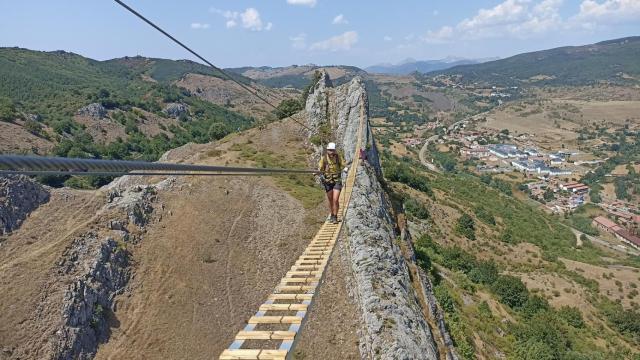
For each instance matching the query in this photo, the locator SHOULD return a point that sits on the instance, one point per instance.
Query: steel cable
(245, 87)
(67, 166)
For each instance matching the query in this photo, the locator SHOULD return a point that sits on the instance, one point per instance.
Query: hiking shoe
(334, 219)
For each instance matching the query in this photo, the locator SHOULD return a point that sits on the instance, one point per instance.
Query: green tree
(7, 110)
(511, 291)
(533, 350)
(548, 195)
(445, 300)
(288, 107)
(309, 88)
(545, 328)
(217, 131)
(534, 305)
(485, 272)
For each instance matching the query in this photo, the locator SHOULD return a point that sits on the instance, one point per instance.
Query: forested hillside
(126, 108)
(614, 61)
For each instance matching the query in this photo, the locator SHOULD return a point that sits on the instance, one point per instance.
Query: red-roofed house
(628, 238)
(605, 224)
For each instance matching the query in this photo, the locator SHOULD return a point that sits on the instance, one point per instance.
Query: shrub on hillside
(485, 272)
(572, 316)
(416, 208)
(543, 328)
(485, 216)
(466, 227)
(400, 172)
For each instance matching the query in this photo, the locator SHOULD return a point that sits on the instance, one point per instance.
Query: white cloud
(340, 19)
(199, 26)
(309, 3)
(440, 36)
(523, 19)
(507, 12)
(250, 19)
(387, 38)
(511, 18)
(337, 43)
(544, 17)
(299, 41)
(593, 12)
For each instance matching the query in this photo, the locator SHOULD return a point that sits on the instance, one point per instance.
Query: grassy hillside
(42, 92)
(613, 61)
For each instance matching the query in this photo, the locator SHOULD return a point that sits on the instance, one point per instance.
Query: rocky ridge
(94, 110)
(19, 196)
(393, 324)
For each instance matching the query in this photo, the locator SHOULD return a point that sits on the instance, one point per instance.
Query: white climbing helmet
(331, 146)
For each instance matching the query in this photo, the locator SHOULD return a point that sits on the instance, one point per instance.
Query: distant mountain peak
(410, 65)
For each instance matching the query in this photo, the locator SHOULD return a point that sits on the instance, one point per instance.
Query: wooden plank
(265, 335)
(313, 267)
(300, 280)
(283, 307)
(275, 320)
(291, 320)
(290, 296)
(240, 354)
(265, 320)
(273, 355)
(311, 262)
(293, 273)
(295, 288)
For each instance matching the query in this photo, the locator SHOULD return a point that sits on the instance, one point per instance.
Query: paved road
(423, 153)
(607, 244)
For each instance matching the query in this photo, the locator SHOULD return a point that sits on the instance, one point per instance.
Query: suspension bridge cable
(117, 174)
(67, 166)
(245, 87)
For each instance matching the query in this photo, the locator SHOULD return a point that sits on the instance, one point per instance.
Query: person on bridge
(331, 167)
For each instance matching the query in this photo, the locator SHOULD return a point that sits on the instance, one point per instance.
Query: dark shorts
(332, 186)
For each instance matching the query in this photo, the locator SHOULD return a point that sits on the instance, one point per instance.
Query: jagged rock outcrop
(98, 269)
(175, 110)
(88, 302)
(393, 324)
(19, 196)
(93, 110)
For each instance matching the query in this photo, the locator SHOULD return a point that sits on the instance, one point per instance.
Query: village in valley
(549, 173)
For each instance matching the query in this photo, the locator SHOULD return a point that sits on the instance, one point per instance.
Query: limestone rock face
(97, 268)
(175, 110)
(393, 323)
(19, 196)
(94, 110)
(88, 301)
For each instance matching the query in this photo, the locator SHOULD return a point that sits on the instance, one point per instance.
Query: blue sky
(285, 32)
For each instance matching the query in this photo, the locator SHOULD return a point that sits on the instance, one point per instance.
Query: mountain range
(613, 61)
(409, 65)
